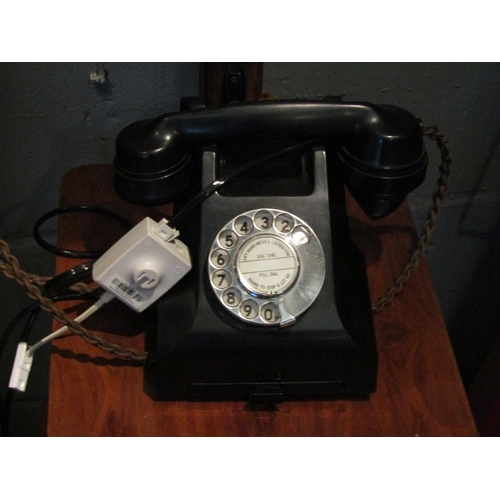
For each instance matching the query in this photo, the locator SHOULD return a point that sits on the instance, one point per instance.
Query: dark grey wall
(52, 119)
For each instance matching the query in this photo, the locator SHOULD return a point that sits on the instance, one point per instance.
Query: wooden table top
(419, 391)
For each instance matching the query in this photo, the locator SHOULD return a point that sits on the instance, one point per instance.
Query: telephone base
(202, 351)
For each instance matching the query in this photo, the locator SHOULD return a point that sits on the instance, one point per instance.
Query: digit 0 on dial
(266, 267)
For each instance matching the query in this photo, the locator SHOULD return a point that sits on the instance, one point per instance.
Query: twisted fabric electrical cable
(10, 267)
(433, 133)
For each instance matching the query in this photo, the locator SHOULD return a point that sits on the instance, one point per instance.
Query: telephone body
(276, 306)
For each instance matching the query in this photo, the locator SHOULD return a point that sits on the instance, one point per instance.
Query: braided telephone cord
(9, 265)
(432, 132)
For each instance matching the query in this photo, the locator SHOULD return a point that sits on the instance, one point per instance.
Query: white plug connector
(24, 356)
(21, 368)
(140, 267)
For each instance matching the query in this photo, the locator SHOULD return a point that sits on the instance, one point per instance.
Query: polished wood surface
(419, 388)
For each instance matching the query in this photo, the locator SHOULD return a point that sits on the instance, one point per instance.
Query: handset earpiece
(385, 161)
(147, 170)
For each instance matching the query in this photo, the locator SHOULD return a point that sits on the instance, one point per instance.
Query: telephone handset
(277, 304)
(380, 148)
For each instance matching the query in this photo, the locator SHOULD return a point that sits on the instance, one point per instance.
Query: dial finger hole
(221, 279)
(249, 309)
(263, 219)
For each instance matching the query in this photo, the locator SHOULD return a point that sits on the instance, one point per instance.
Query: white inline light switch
(140, 267)
(21, 368)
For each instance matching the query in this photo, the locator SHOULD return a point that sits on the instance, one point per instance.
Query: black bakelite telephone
(277, 305)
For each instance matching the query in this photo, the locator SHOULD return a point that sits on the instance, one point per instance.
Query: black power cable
(75, 254)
